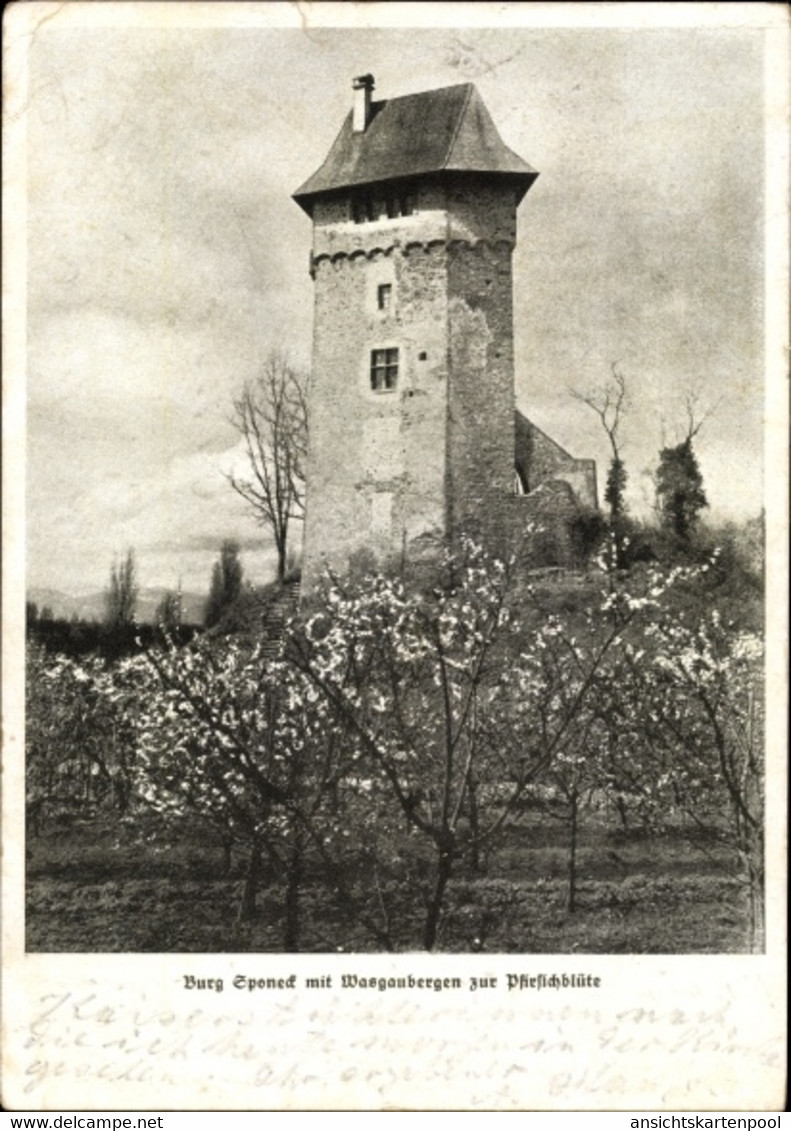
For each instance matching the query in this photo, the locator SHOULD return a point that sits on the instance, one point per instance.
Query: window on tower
(384, 296)
(366, 208)
(402, 204)
(363, 209)
(384, 370)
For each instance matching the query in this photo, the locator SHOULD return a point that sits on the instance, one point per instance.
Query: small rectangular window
(363, 209)
(401, 205)
(384, 296)
(384, 370)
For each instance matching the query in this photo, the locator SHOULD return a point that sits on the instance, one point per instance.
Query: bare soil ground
(93, 888)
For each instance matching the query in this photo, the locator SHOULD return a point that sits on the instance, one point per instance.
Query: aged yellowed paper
(152, 258)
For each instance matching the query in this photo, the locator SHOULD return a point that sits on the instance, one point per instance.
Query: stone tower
(412, 398)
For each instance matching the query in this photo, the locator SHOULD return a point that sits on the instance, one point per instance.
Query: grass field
(93, 888)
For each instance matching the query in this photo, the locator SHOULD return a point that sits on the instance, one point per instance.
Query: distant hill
(91, 606)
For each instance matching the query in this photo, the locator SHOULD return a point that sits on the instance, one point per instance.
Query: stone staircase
(283, 607)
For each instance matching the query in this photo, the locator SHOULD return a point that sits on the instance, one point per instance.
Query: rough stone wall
(377, 459)
(541, 526)
(391, 474)
(480, 210)
(539, 459)
(480, 388)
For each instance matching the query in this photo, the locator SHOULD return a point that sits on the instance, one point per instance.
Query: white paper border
(699, 1032)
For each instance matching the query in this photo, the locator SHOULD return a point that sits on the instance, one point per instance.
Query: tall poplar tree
(679, 489)
(679, 483)
(226, 582)
(121, 596)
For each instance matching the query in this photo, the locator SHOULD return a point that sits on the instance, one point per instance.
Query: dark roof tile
(446, 130)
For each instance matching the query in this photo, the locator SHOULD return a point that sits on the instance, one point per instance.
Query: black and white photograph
(401, 556)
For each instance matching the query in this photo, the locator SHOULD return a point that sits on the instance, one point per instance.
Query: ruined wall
(539, 459)
(542, 526)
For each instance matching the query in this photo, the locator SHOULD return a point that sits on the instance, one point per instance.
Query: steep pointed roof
(437, 131)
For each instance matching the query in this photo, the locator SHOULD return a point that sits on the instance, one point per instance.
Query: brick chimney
(362, 86)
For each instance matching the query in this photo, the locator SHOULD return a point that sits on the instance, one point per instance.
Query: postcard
(395, 556)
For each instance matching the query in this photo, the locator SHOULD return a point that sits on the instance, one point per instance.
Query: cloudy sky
(166, 257)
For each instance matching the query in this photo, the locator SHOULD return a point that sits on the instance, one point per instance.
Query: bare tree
(696, 419)
(609, 402)
(271, 417)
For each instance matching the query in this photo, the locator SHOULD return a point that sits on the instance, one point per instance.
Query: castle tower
(412, 399)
